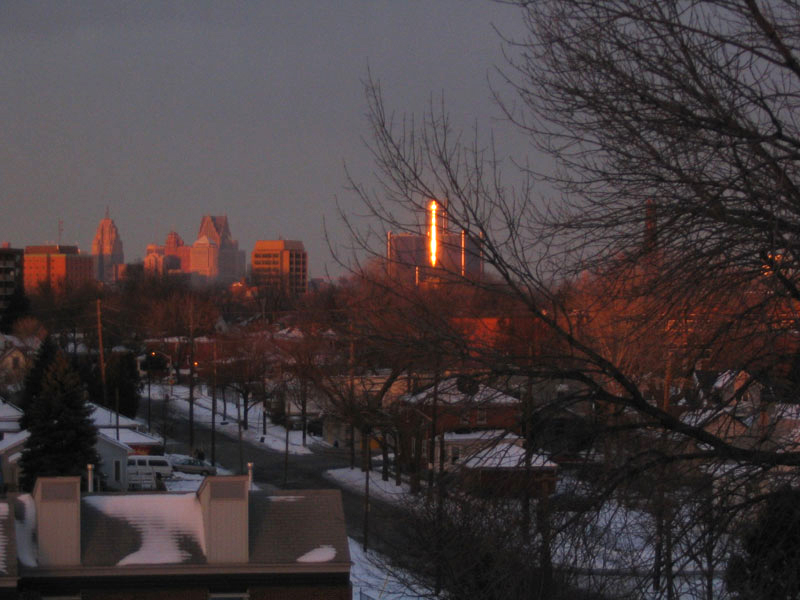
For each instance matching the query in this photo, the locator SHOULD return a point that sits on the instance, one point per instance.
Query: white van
(142, 471)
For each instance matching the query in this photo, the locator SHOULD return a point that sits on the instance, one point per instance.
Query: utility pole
(214, 408)
(191, 373)
(102, 354)
(149, 399)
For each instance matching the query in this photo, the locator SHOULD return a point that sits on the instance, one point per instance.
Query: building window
(117, 471)
(481, 416)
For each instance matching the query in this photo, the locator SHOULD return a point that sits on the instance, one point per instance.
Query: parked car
(142, 471)
(187, 464)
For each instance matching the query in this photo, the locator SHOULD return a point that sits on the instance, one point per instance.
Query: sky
(166, 111)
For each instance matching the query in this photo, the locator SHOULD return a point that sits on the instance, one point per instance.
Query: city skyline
(163, 113)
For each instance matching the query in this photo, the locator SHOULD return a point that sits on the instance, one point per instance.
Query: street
(304, 472)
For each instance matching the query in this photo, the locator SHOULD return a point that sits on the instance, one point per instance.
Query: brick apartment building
(56, 266)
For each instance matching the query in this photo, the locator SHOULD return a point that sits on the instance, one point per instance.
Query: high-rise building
(280, 263)
(56, 266)
(10, 273)
(107, 251)
(438, 254)
(214, 256)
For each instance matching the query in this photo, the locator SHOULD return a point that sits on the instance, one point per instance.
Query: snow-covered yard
(275, 437)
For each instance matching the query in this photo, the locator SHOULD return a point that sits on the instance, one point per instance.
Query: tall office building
(56, 266)
(107, 251)
(280, 263)
(10, 273)
(437, 255)
(214, 256)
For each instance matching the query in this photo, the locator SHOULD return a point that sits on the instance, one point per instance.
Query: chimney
(58, 520)
(224, 502)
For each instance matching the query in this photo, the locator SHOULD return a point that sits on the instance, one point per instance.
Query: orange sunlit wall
(56, 266)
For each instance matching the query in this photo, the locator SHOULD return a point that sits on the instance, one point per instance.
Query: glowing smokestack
(434, 241)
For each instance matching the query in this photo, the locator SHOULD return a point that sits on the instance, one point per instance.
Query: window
(481, 416)
(117, 470)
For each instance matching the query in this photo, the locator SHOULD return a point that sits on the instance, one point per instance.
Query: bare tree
(659, 229)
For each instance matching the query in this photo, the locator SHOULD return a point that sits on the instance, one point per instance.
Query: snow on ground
(354, 479)
(274, 439)
(370, 575)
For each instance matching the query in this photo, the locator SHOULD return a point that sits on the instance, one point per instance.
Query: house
(114, 444)
(500, 470)
(222, 541)
(464, 404)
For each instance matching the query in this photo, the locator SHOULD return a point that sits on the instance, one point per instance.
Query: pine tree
(62, 436)
(33, 380)
(769, 565)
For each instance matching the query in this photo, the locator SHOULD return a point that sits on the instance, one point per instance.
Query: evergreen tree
(768, 566)
(18, 306)
(122, 377)
(62, 436)
(33, 380)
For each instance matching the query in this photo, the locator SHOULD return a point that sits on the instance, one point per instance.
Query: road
(304, 472)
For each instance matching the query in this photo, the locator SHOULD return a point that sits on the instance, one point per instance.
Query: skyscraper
(437, 255)
(214, 256)
(107, 251)
(280, 263)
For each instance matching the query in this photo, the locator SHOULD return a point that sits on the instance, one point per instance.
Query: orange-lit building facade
(56, 266)
(436, 255)
(107, 251)
(214, 256)
(280, 263)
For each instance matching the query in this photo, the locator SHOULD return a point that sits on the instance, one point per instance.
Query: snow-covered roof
(9, 412)
(448, 392)
(130, 437)
(105, 417)
(505, 456)
(168, 525)
(487, 435)
(12, 439)
(297, 529)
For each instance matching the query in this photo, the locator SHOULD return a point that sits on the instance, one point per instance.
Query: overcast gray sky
(165, 111)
